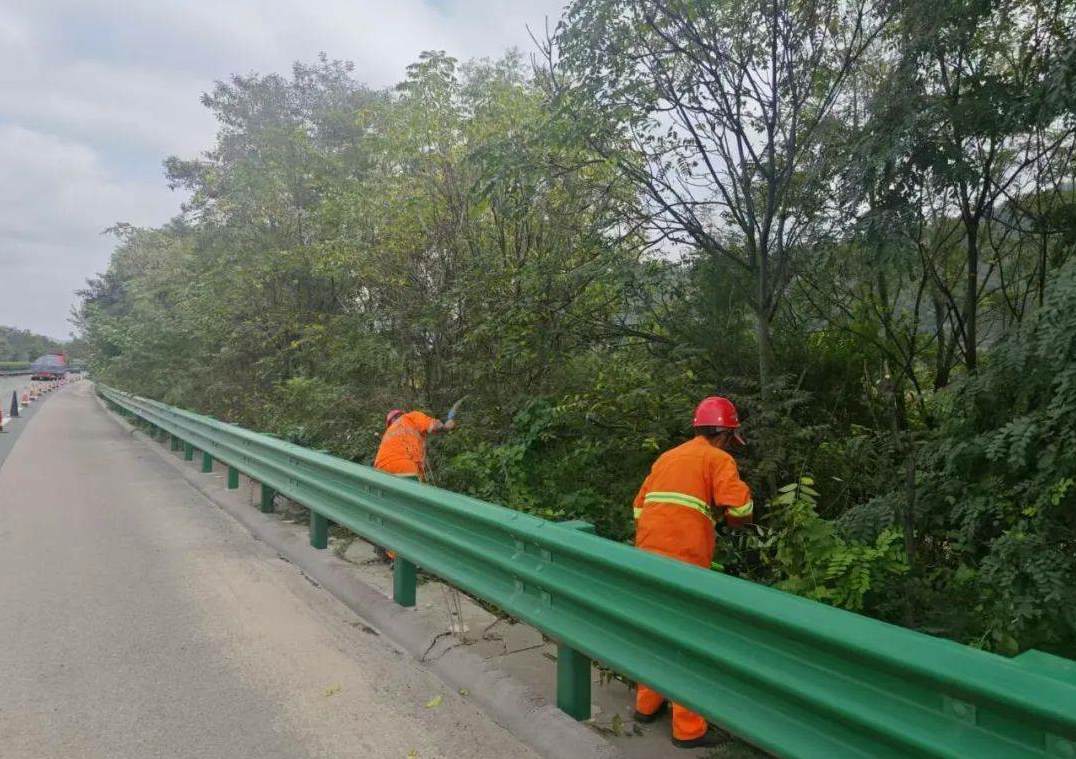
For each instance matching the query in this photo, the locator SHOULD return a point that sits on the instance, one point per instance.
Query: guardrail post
(175, 443)
(573, 682)
(188, 452)
(404, 581)
(268, 494)
(233, 478)
(573, 667)
(319, 530)
(207, 462)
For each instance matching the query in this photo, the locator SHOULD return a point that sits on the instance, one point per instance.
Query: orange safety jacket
(403, 446)
(674, 509)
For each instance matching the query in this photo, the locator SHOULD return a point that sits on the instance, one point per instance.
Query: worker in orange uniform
(403, 446)
(689, 489)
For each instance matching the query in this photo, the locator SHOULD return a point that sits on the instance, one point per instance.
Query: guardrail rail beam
(792, 676)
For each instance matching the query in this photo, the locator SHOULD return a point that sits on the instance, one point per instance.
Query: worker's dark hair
(711, 432)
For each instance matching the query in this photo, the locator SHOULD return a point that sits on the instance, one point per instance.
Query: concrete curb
(510, 703)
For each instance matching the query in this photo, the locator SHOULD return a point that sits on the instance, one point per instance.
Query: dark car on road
(52, 366)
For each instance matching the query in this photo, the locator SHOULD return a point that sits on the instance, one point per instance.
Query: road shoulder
(504, 698)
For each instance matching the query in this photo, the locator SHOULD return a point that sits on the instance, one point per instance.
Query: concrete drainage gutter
(509, 702)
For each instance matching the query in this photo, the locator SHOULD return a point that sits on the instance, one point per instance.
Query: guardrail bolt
(573, 682)
(404, 581)
(319, 530)
(962, 710)
(188, 452)
(268, 494)
(207, 462)
(233, 478)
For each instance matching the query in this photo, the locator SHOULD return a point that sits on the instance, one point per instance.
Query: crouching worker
(688, 490)
(403, 447)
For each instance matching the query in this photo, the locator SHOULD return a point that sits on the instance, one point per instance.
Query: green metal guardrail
(791, 676)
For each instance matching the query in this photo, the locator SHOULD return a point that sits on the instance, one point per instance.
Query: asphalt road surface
(138, 620)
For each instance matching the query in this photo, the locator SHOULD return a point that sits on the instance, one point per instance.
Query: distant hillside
(23, 345)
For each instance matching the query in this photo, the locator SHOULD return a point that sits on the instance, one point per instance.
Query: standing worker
(689, 489)
(403, 446)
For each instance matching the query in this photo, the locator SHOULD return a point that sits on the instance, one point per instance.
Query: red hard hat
(392, 416)
(715, 411)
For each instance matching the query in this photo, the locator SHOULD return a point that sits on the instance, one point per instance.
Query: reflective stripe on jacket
(675, 505)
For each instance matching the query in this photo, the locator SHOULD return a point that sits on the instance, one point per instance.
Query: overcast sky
(95, 93)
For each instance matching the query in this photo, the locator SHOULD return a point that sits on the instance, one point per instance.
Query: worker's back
(674, 507)
(403, 446)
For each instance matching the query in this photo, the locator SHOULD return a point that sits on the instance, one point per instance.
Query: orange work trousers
(686, 724)
(686, 535)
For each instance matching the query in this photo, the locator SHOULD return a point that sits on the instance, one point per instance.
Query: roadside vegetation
(18, 347)
(856, 219)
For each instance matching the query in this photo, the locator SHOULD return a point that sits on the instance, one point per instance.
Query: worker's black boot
(712, 737)
(648, 718)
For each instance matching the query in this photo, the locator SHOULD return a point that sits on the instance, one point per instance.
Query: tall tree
(980, 77)
(722, 108)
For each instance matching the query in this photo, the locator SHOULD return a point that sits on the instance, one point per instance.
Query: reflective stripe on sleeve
(638, 513)
(742, 511)
(680, 499)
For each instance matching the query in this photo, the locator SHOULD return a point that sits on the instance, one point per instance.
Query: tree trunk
(941, 361)
(971, 297)
(1043, 263)
(909, 496)
(766, 358)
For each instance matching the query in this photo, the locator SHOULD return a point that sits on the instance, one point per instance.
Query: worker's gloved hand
(450, 425)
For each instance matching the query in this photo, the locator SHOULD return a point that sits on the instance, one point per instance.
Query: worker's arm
(430, 425)
(637, 504)
(731, 495)
(439, 426)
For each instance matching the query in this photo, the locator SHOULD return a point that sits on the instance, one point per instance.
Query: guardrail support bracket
(404, 581)
(319, 530)
(233, 478)
(207, 462)
(188, 452)
(268, 494)
(175, 443)
(573, 682)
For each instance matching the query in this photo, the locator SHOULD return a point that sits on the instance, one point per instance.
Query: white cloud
(94, 93)
(55, 199)
(105, 102)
